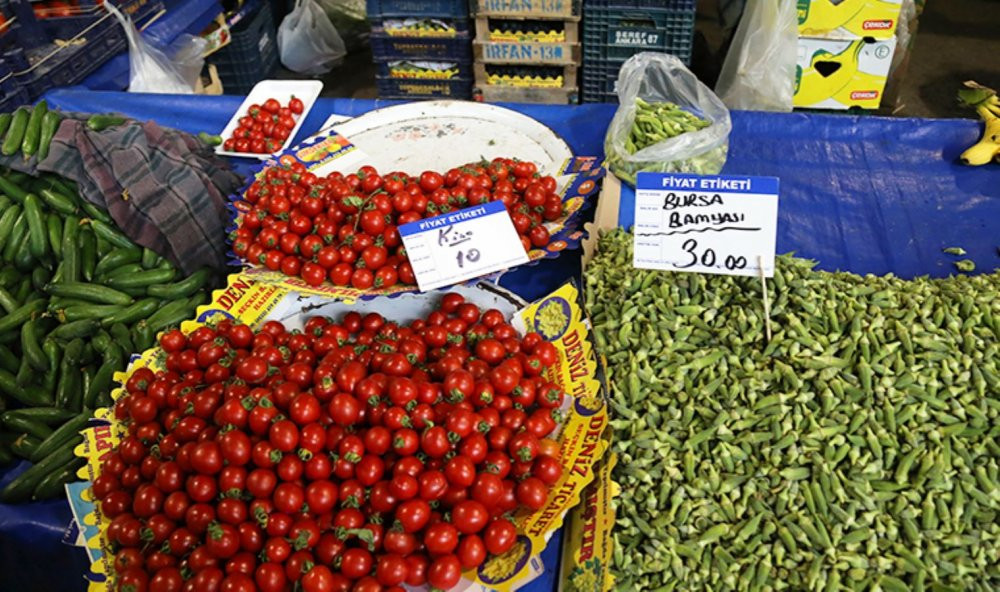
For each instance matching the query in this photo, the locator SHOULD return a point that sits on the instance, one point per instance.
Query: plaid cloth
(165, 189)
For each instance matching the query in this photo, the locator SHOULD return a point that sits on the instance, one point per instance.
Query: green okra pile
(858, 449)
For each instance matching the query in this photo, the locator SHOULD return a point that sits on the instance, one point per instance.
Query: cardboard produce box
(840, 74)
(848, 19)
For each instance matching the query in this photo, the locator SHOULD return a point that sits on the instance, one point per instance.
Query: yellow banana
(988, 147)
(980, 153)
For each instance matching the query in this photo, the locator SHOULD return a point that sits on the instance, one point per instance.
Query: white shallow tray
(282, 90)
(438, 135)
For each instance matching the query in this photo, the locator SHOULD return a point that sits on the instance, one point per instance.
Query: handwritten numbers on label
(722, 224)
(455, 247)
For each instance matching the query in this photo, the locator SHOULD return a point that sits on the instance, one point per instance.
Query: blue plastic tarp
(864, 194)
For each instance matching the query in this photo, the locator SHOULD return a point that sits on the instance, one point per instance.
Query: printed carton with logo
(848, 19)
(840, 74)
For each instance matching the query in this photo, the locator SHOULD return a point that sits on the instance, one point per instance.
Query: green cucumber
(101, 122)
(71, 255)
(53, 227)
(15, 319)
(50, 125)
(37, 230)
(143, 279)
(7, 301)
(63, 434)
(88, 253)
(111, 234)
(116, 258)
(52, 485)
(75, 329)
(47, 415)
(40, 278)
(122, 336)
(23, 425)
(58, 202)
(149, 258)
(90, 292)
(9, 186)
(25, 446)
(16, 239)
(140, 310)
(30, 348)
(53, 353)
(183, 288)
(20, 488)
(7, 220)
(33, 132)
(8, 361)
(89, 311)
(124, 270)
(15, 134)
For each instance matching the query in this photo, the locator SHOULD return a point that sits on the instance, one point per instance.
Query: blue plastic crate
(443, 49)
(29, 71)
(399, 88)
(634, 3)
(598, 81)
(30, 32)
(464, 71)
(461, 25)
(617, 32)
(12, 94)
(418, 8)
(252, 53)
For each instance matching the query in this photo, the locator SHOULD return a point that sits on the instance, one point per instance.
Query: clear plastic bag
(153, 71)
(308, 43)
(759, 70)
(662, 78)
(349, 18)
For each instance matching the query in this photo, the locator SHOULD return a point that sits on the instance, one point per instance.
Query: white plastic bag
(307, 41)
(152, 71)
(658, 78)
(759, 71)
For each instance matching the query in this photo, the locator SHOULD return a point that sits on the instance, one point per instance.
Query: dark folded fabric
(164, 188)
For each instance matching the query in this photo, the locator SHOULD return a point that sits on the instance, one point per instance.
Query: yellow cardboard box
(848, 19)
(839, 74)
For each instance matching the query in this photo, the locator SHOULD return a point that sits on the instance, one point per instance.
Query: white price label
(722, 224)
(455, 247)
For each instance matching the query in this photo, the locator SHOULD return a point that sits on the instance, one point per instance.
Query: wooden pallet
(527, 8)
(512, 94)
(527, 52)
(482, 79)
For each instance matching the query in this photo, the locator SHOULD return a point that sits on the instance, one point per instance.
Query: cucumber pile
(77, 297)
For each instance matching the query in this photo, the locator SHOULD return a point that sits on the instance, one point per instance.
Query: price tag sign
(721, 224)
(462, 245)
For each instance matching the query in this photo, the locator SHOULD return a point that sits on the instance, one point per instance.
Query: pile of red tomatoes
(344, 228)
(352, 455)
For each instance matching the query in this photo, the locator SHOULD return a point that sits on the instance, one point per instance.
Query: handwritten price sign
(723, 224)
(452, 248)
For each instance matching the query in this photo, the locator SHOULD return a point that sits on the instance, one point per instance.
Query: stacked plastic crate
(252, 53)
(527, 51)
(615, 30)
(421, 48)
(46, 49)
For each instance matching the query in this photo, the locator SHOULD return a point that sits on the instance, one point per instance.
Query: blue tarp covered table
(866, 194)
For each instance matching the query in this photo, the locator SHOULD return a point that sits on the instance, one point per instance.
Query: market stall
(864, 194)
